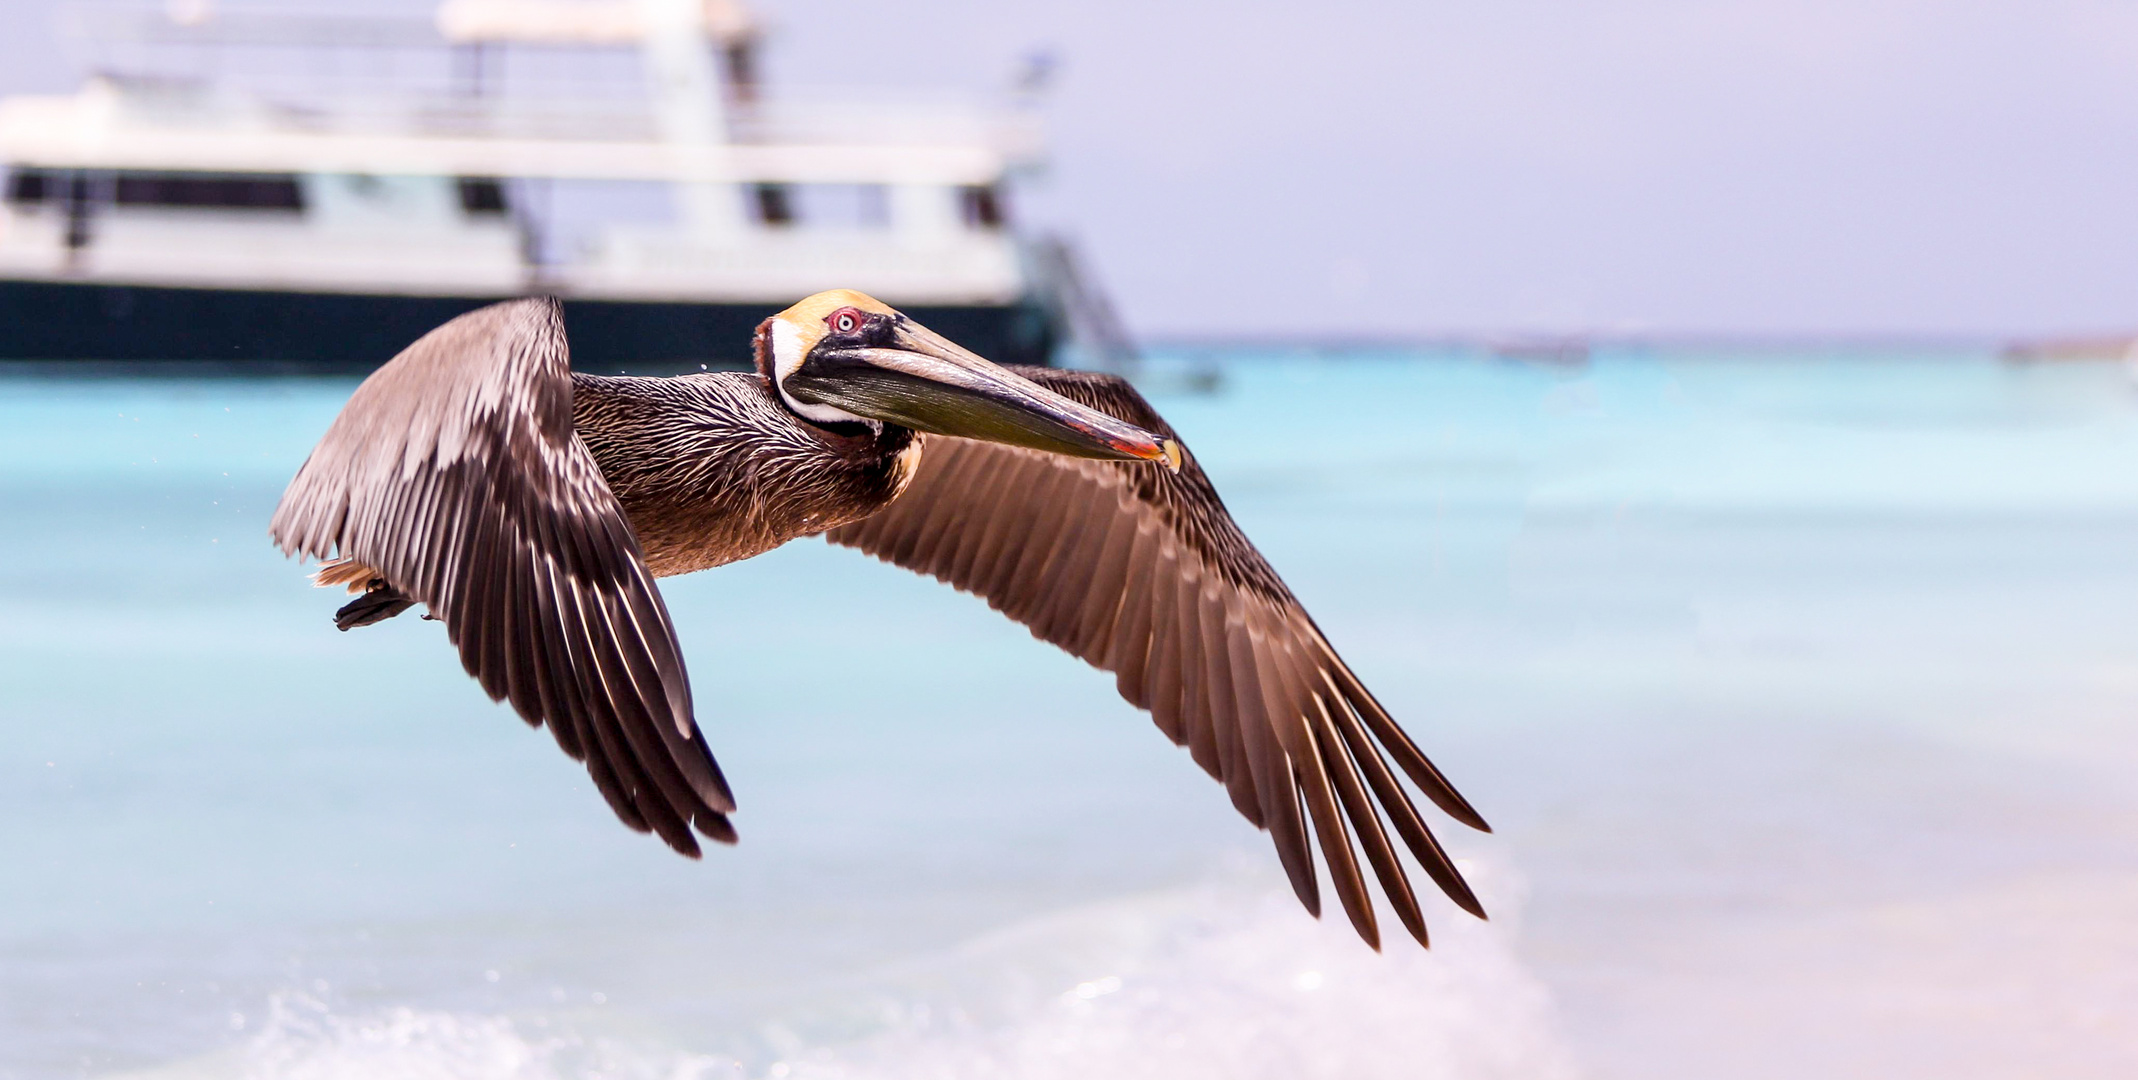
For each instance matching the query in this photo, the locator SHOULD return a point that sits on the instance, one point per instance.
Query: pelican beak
(919, 379)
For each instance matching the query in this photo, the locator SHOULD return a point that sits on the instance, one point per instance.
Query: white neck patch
(787, 357)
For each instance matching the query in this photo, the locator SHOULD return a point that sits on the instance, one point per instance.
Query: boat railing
(323, 71)
(1077, 303)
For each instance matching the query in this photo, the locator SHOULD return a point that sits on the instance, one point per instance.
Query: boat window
(481, 195)
(208, 191)
(30, 186)
(220, 191)
(774, 206)
(982, 206)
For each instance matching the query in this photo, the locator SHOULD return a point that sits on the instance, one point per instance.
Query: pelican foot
(381, 601)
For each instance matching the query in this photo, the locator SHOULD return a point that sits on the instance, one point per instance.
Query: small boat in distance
(321, 188)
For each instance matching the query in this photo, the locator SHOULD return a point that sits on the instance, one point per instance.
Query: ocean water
(1800, 688)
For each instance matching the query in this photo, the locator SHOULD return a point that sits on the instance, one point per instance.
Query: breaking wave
(1203, 982)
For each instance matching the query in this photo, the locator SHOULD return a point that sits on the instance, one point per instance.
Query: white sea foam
(1214, 981)
(304, 1040)
(1243, 987)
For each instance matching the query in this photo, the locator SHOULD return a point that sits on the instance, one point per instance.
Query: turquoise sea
(1802, 688)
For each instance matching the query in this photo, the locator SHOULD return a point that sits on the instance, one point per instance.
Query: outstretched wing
(453, 473)
(1141, 572)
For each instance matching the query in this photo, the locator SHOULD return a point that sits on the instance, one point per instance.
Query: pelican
(530, 508)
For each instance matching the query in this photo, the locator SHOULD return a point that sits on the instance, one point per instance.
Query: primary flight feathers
(453, 476)
(530, 508)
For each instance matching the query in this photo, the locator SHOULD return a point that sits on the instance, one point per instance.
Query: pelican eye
(846, 321)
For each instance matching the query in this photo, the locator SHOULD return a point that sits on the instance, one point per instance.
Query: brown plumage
(530, 509)
(1141, 572)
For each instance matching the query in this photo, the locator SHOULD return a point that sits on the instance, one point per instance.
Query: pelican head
(845, 357)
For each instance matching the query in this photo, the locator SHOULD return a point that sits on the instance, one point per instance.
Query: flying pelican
(530, 508)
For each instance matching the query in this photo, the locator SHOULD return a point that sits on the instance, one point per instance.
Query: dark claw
(380, 601)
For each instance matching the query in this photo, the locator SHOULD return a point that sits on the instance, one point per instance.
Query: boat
(320, 188)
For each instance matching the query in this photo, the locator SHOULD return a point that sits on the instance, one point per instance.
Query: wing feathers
(454, 474)
(560, 695)
(1401, 813)
(612, 790)
(1234, 740)
(1366, 822)
(1107, 595)
(1129, 657)
(1274, 766)
(1399, 745)
(1314, 786)
(552, 701)
(1143, 573)
(1164, 671)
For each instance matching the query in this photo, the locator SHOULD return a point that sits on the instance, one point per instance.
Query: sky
(1377, 168)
